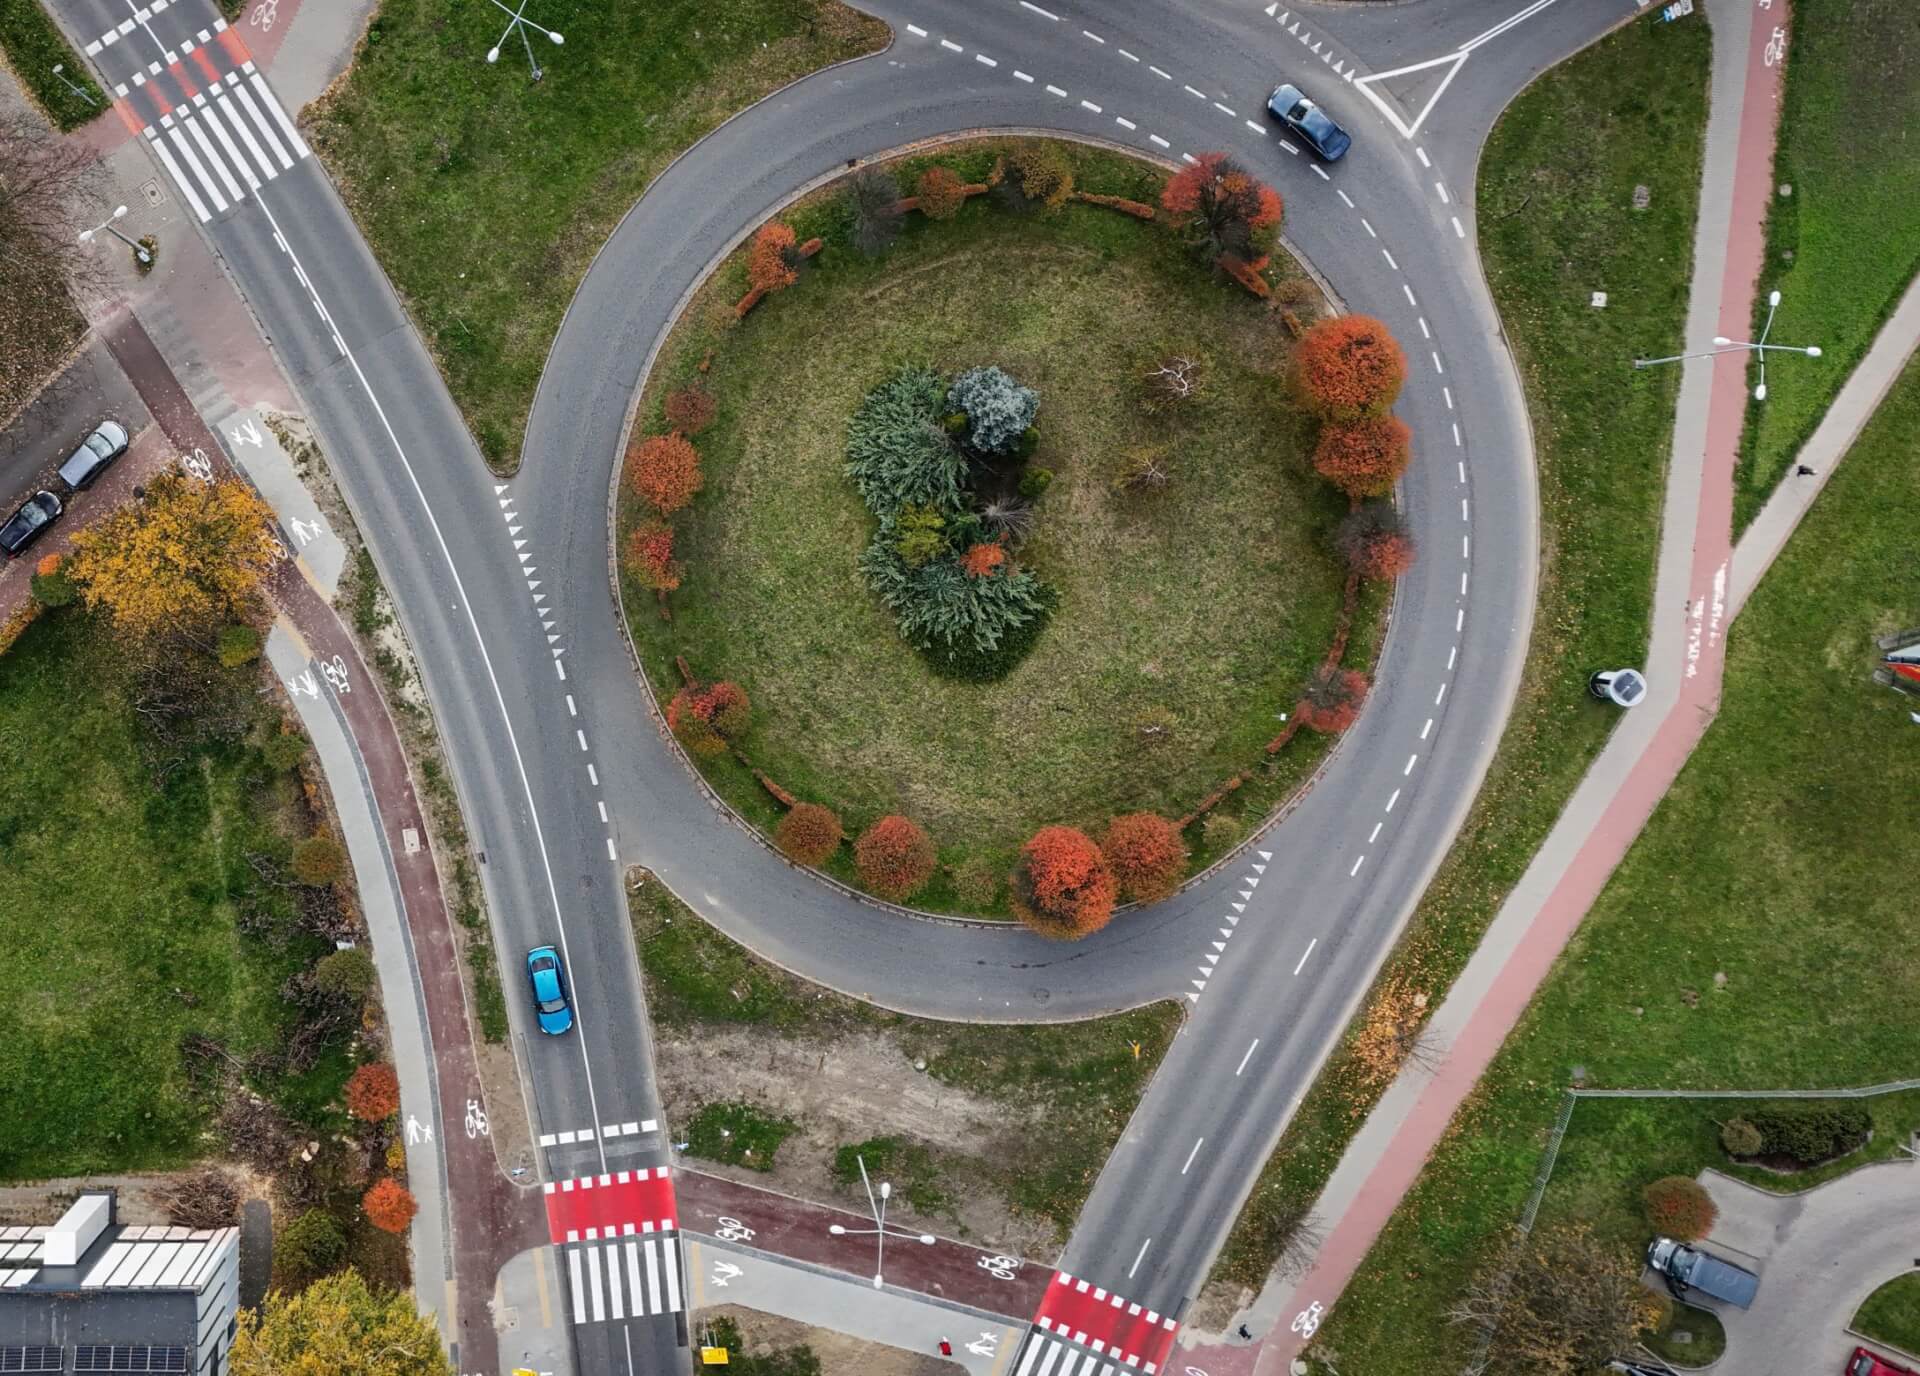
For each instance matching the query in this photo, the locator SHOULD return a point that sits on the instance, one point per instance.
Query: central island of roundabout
(994, 520)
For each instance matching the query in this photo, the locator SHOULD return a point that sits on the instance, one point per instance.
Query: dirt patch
(763, 1334)
(850, 1089)
(138, 1197)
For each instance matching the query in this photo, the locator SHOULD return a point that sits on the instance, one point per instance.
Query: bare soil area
(762, 1334)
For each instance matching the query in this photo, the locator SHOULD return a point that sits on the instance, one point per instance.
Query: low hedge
(1810, 1131)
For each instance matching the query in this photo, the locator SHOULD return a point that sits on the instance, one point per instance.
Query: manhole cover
(1642, 197)
(410, 839)
(1042, 995)
(151, 190)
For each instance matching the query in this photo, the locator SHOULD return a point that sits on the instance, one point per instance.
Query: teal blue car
(552, 1002)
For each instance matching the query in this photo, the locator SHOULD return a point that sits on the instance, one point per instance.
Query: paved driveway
(1819, 1255)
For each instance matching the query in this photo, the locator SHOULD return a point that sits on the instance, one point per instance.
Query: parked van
(1690, 1272)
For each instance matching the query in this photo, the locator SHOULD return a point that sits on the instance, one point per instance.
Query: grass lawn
(1556, 222)
(1774, 860)
(1212, 599)
(1068, 1088)
(1689, 1337)
(118, 909)
(1892, 1314)
(1842, 247)
(485, 195)
(33, 45)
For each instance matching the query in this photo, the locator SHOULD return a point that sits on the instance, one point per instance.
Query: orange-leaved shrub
(1363, 457)
(1332, 699)
(1062, 885)
(388, 1206)
(664, 471)
(941, 193)
(373, 1092)
(1375, 542)
(650, 552)
(770, 259)
(895, 857)
(809, 833)
(982, 560)
(1680, 1207)
(689, 409)
(1348, 366)
(1148, 856)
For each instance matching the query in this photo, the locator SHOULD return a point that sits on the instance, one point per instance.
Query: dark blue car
(552, 1002)
(1313, 126)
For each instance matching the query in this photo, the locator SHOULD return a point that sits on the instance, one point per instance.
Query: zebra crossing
(626, 1278)
(201, 141)
(1046, 1355)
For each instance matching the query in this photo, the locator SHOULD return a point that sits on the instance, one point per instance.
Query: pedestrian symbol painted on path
(724, 1271)
(985, 1345)
(417, 1130)
(246, 433)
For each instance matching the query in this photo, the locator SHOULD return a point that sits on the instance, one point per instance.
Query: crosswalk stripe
(239, 123)
(593, 1280)
(219, 128)
(579, 1290)
(286, 125)
(185, 150)
(1049, 1357)
(1027, 1361)
(613, 1282)
(673, 1273)
(633, 1279)
(653, 1276)
(265, 125)
(179, 177)
(192, 126)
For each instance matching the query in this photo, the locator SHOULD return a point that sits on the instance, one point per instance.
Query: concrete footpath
(1645, 753)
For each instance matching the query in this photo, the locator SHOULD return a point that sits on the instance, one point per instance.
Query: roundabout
(1186, 548)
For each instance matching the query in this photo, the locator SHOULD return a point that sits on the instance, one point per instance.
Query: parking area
(1819, 1255)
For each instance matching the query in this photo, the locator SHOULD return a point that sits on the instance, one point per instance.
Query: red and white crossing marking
(597, 1207)
(1083, 1330)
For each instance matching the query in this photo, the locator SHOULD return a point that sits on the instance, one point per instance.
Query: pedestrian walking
(1803, 472)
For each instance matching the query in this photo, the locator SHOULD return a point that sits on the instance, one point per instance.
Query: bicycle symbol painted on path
(733, 1230)
(1000, 1267)
(1307, 1322)
(477, 1124)
(264, 14)
(1776, 51)
(334, 671)
(200, 466)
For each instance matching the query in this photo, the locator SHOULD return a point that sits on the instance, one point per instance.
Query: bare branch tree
(1172, 381)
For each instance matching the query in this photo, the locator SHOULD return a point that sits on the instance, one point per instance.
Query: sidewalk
(492, 1220)
(1646, 751)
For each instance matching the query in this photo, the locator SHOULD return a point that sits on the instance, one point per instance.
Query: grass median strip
(1891, 1314)
(1557, 221)
(33, 47)
(485, 196)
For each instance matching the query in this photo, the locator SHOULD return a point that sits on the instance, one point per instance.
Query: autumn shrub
(689, 409)
(1173, 382)
(941, 193)
(319, 860)
(346, 976)
(1739, 1137)
(871, 197)
(650, 553)
(308, 1248)
(724, 707)
(772, 258)
(1223, 209)
(1363, 457)
(1375, 542)
(388, 1205)
(1679, 1207)
(895, 857)
(1348, 366)
(975, 882)
(1143, 468)
(50, 586)
(690, 726)
(809, 833)
(237, 645)
(373, 1092)
(983, 560)
(1222, 831)
(1062, 885)
(1332, 699)
(1147, 855)
(1042, 176)
(664, 470)
(284, 751)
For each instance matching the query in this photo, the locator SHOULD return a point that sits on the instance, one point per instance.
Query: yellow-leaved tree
(185, 554)
(337, 1327)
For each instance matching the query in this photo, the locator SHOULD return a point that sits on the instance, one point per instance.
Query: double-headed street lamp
(60, 70)
(144, 258)
(879, 1231)
(520, 21)
(1734, 346)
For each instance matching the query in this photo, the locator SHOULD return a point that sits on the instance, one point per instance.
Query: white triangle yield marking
(1326, 56)
(1219, 945)
(518, 544)
(498, 488)
(1273, 8)
(1365, 85)
(540, 597)
(505, 502)
(524, 556)
(1195, 997)
(558, 653)
(1336, 67)
(1315, 48)
(1246, 893)
(1198, 984)
(552, 638)
(1294, 27)
(1210, 962)
(1226, 931)
(1239, 907)
(534, 584)
(1260, 869)
(1266, 855)
(1350, 76)
(546, 625)
(1232, 921)
(509, 515)
(530, 570)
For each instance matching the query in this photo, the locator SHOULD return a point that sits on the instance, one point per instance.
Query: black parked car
(25, 525)
(1315, 128)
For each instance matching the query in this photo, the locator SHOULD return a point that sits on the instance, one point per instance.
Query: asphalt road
(503, 590)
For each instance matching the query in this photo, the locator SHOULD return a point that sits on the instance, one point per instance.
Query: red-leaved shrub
(664, 471)
(770, 259)
(690, 727)
(388, 1206)
(373, 1093)
(981, 561)
(689, 409)
(650, 552)
(1148, 856)
(1363, 457)
(1375, 542)
(1332, 699)
(941, 193)
(895, 857)
(809, 833)
(1062, 885)
(1349, 366)
(1680, 1207)
(1223, 208)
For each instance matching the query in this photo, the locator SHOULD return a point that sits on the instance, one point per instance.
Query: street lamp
(1734, 346)
(60, 70)
(140, 253)
(879, 1231)
(520, 21)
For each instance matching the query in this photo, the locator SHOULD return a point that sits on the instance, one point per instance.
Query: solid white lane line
(1044, 14)
(1394, 799)
(1190, 1155)
(1356, 866)
(1249, 1056)
(1136, 1263)
(1303, 956)
(1376, 832)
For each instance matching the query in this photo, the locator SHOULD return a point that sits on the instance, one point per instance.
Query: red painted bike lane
(1400, 1164)
(489, 1219)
